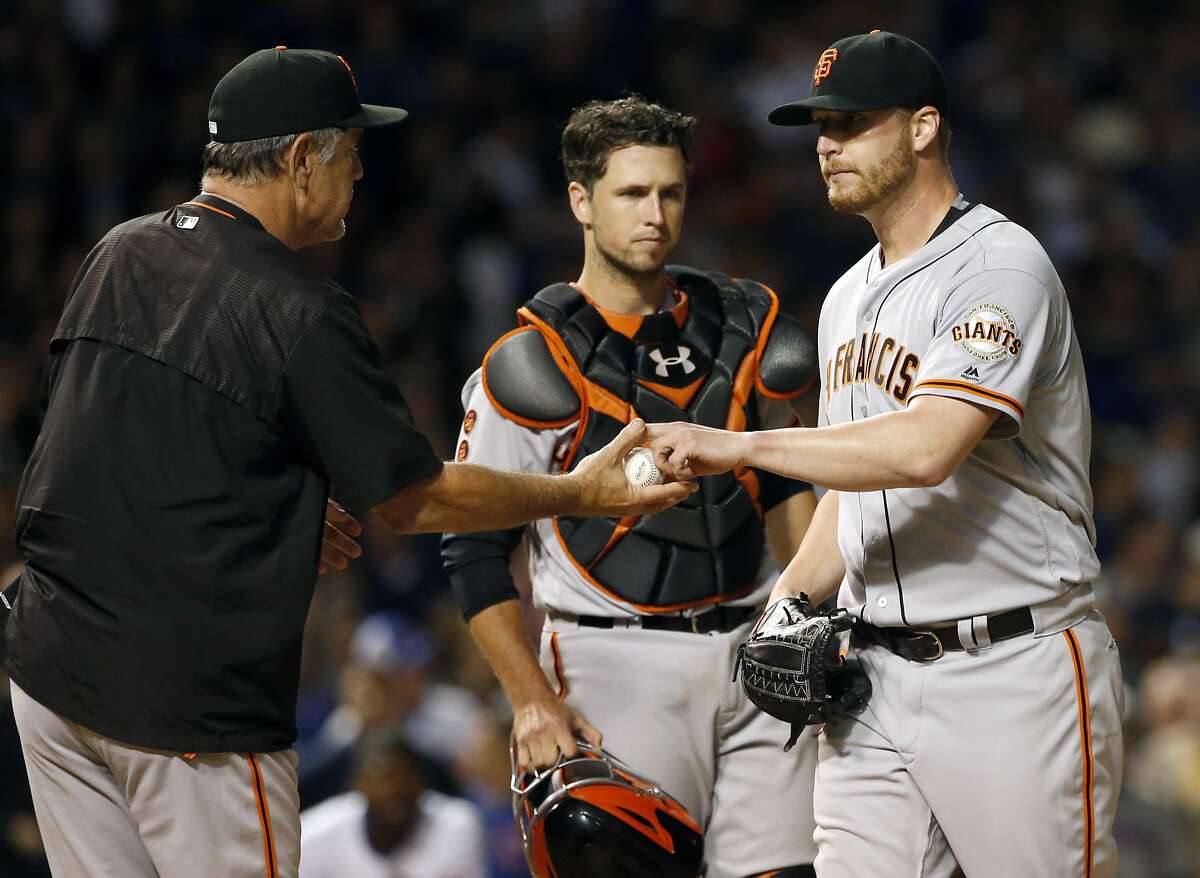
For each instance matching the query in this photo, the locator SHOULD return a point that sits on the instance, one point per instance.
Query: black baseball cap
(870, 72)
(287, 91)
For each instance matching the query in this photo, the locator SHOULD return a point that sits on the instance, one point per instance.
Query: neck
(904, 223)
(615, 290)
(269, 203)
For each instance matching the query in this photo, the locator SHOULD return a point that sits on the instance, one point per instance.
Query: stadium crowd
(1079, 119)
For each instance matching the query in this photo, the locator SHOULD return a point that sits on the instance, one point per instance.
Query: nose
(655, 216)
(357, 166)
(827, 146)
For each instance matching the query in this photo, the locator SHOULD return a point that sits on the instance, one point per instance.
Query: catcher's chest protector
(695, 363)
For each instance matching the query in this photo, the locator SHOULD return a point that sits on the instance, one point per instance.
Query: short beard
(614, 263)
(879, 184)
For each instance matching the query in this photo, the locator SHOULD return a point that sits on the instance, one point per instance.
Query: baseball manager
(206, 394)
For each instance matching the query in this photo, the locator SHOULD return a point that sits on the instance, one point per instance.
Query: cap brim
(374, 116)
(800, 112)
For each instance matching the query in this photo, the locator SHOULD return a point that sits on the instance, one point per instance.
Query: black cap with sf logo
(288, 91)
(870, 72)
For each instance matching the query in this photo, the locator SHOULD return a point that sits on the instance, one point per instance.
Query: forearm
(893, 450)
(463, 497)
(786, 525)
(500, 633)
(818, 567)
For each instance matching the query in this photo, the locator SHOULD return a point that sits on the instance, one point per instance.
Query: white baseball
(640, 468)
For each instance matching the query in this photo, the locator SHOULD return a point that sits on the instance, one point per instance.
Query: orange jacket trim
(210, 207)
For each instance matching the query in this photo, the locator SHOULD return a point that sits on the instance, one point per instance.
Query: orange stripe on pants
(558, 667)
(1085, 735)
(264, 815)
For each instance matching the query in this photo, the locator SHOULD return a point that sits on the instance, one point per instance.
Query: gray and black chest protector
(703, 361)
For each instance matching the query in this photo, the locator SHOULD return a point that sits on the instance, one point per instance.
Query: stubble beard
(621, 265)
(878, 184)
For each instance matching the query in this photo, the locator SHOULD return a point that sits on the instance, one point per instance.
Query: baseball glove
(792, 667)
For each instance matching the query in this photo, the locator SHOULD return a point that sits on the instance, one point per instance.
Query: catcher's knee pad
(591, 816)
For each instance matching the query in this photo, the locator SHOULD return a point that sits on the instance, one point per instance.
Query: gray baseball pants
(115, 810)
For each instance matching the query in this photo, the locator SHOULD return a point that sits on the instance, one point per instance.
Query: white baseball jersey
(977, 314)
(448, 841)
(490, 439)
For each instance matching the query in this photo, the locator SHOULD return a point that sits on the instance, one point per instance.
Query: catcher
(644, 615)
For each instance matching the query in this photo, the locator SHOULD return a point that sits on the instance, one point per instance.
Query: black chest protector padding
(711, 545)
(789, 359)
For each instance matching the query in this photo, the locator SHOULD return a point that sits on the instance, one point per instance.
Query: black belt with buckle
(718, 619)
(918, 645)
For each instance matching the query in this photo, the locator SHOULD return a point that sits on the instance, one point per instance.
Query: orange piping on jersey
(558, 666)
(680, 396)
(1085, 735)
(983, 392)
(210, 207)
(648, 609)
(264, 815)
(513, 416)
(770, 874)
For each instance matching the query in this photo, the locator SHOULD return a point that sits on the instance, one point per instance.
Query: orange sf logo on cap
(824, 65)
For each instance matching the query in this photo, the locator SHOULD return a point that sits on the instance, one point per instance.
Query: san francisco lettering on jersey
(872, 357)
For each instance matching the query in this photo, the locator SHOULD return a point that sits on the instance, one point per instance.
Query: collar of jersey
(961, 222)
(227, 208)
(660, 326)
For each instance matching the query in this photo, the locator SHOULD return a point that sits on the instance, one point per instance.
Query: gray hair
(257, 161)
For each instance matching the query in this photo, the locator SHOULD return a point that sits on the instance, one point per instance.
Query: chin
(854, 200)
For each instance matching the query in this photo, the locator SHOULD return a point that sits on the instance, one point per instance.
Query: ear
(301, 161)
(581, 203)
(924, 125)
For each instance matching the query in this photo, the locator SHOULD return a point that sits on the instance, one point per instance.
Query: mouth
(655, 241)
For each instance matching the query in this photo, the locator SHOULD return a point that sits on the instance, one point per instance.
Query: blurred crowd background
(1079, 119)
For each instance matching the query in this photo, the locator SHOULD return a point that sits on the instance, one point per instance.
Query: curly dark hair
(598, 127)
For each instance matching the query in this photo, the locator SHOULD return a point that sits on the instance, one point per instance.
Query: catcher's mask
(592, 816)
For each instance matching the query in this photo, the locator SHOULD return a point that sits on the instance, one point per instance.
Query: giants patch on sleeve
(988, 333)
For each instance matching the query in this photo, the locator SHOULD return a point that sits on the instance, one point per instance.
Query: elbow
(928, 469)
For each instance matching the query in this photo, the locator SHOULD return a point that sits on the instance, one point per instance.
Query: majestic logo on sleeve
(873, 357)
(664, 364)
(987, 333)
(824, 65)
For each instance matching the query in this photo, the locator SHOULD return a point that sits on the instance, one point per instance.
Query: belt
(927, 645)
(716, 620)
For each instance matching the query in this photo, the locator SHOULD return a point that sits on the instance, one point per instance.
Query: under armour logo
(663, 369)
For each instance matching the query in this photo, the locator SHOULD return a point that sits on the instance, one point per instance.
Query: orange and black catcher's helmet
(592, 816)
